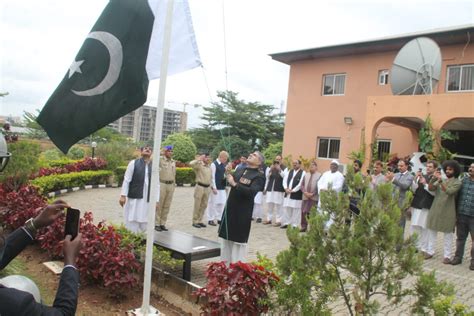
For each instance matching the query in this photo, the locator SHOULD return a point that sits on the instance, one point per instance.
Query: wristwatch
(30, 226)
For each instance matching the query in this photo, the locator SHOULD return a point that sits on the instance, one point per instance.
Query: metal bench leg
(187, 269)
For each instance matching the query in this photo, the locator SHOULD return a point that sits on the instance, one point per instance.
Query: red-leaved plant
(102, 260)
(240, 289)
(87, 164)
(16, 207)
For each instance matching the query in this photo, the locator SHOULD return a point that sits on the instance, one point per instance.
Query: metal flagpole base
(138, 312)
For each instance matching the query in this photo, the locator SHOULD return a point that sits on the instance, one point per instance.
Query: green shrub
(184, 149)
(272, 151)
(70, 180)
(52, 154)
(76, 152)
(23, 162)
(185, 176)
(161, 257)
(115, 153)
(119, 173)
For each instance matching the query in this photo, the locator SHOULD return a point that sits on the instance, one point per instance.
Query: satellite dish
(417, 67)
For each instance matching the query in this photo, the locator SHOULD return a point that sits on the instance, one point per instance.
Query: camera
(276, 162)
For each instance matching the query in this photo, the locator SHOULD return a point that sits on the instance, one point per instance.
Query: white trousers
(422, 237)
(431, 243)
(214, 211)
(135, 227)
(232, 251)
(274, 209)
(257, 211)
(291, 216)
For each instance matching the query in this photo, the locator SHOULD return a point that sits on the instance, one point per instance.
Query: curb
(86, 187)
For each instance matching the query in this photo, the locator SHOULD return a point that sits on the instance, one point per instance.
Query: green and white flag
(109, 76)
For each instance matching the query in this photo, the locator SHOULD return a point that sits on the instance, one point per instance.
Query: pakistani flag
(109, 76)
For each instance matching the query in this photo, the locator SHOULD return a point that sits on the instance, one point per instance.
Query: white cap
(335, 161)
(22, 283)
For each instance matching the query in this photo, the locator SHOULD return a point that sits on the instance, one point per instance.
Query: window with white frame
(383, 77)
(334, 84)
(328, 147)
(383, 149)
(460, 78)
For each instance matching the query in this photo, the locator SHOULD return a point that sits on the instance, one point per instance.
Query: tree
(184, 149)
(205, 139)
(250, 121)
(272, 151)
(23, 162)
(357, 262)
(235, 146)
(35, 130)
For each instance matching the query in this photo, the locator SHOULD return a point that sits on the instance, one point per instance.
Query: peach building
(340, 97)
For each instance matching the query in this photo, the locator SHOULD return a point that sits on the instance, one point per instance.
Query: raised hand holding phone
(72, 222)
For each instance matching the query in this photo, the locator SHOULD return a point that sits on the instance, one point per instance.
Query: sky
(39, 40)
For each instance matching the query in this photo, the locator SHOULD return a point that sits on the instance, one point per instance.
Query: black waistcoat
(421, 198)
(299, 194)
(135, 190)
(275, 181)
(220, 175)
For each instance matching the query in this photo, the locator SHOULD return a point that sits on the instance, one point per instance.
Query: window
(460, 78)
(383, 77)
(334, 84)
(383, 149)
(328, 148)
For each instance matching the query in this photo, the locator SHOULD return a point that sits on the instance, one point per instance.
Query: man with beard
(274, 192)
(421, 204)
(236, 219)
(442, 214)
(135, 194)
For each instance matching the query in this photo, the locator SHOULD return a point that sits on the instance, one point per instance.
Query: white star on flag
(75, 67)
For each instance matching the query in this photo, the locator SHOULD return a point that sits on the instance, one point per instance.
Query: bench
(187, 247)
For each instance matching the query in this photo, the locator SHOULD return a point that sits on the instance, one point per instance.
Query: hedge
(183, 175)
(70, 180)
(119, 173)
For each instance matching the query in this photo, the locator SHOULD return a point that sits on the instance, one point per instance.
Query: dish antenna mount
(416, 68)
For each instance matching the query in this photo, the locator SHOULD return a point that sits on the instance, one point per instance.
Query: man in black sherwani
(235, 224)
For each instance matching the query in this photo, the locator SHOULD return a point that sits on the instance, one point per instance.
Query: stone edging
(86, 187)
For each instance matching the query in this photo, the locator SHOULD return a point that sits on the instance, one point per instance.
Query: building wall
(311, 115)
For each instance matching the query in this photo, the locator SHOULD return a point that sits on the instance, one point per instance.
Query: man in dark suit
(16, 302)
(236, 219)
(401, 182)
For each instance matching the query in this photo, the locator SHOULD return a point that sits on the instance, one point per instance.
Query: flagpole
(146, 309)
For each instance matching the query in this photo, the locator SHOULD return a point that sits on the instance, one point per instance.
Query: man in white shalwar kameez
(421, 204)
(294, 196)
(218, 196)
(258, 201)
(331, 179)
(135, 192)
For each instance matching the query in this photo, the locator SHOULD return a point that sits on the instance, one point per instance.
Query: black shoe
(197, 225)
(259, 220)
(158, 228)
(283, 226)
(163, 228)
(456, 261)
(212, 223)
(202, 225)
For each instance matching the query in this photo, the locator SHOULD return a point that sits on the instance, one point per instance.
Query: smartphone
(72, 222)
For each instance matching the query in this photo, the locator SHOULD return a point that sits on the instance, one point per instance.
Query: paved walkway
(264, 239)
